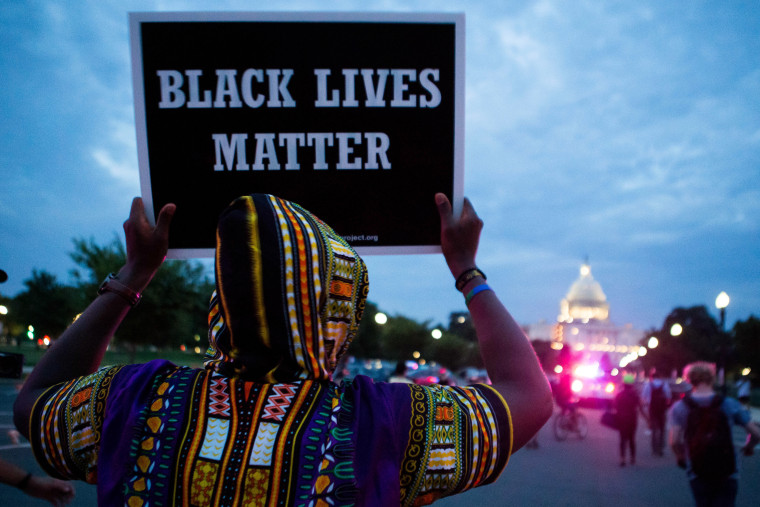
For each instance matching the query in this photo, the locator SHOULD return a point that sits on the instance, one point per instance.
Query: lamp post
(721, 303)
(3, 312)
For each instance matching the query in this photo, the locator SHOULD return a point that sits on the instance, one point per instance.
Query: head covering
(289, 293)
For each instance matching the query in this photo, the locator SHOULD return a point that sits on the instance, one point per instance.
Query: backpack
(658, 403)
(709, 440)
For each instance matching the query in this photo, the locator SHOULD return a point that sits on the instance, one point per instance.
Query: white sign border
(458, 19)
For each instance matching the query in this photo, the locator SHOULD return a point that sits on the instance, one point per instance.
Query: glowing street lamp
(436, 334)
(721, 303)
(381, 318)
(653, 342)
(676, 329)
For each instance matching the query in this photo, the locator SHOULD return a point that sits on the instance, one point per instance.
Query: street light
(381, 318)
(653, 342)
(721, 302)
(676, 329)
(436, 334)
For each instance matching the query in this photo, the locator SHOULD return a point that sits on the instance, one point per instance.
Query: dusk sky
(627, 133)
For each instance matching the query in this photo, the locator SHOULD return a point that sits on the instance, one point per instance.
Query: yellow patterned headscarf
(289, 293)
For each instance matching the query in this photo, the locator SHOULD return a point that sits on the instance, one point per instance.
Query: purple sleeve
(435, 440)
(132, 389)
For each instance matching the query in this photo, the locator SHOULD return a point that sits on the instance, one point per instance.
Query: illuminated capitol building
(584, 325)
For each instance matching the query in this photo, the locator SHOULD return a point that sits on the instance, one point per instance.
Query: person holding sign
(263, 422)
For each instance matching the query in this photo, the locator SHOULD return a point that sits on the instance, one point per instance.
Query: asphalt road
(567, 474)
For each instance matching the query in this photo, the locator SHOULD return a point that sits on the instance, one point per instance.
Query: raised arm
(509, 358)
(80, 349)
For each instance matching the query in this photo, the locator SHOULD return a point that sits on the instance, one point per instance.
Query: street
(570, 473)
(586, 473)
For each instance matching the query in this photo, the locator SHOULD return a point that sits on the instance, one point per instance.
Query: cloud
(116, 154)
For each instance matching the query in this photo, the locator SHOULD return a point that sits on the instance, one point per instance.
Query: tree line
(173, 313)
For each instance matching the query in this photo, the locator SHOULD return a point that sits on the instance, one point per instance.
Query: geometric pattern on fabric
(263, 446)
(329, 469)
(278, 403)
(215, 438)
(70, 418)
(454, 443)
(219, 397)
(181, 453)
(256, 486)
(273, 430)
(204, 477)
(302, 278)
(302, 285)
(160, 423)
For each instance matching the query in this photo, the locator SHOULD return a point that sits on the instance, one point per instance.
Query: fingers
(137, 215)
(165, 217)
(138, 208)
(444, 207)
(468, 209)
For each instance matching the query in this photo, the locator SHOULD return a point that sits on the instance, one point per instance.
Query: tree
(700, 339)
(367, 342)
(174, 308)
(453, 352)
(460, 324)
(747, 344)
(403, 336)
(46, 305)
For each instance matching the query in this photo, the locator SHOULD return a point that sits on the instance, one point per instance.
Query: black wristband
(23, 483)
(468, 275)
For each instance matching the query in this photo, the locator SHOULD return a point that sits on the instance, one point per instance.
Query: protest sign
(357, 117)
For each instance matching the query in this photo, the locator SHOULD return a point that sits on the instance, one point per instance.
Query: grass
(32, 355)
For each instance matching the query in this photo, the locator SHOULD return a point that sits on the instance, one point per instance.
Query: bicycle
(571, 421)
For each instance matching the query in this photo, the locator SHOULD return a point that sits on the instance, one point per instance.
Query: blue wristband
(475, 291)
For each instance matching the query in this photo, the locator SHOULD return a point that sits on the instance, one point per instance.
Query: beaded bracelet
(475, 291)
(468, 275)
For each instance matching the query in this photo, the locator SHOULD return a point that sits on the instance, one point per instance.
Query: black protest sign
(355, 117)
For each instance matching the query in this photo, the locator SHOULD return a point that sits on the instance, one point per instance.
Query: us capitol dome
(584, 324)
(585, 300)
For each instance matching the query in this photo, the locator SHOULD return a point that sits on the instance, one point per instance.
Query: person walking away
(656, 397)
(744, 390)
(399, 374)
(563, 394)
(627, 407)
(701, 438)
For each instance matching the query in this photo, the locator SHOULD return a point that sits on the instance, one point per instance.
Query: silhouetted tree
(46, 305)
(701, 339)
(747, 345)
(368, 340)
(173, 310)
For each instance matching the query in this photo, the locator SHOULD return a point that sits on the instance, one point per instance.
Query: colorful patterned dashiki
(264, 424)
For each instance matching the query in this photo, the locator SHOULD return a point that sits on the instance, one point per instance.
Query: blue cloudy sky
(628, 132)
